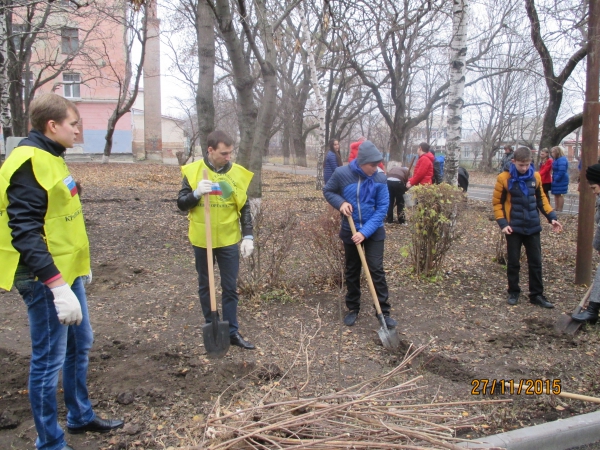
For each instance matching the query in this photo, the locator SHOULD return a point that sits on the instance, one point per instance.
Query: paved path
(480, 192)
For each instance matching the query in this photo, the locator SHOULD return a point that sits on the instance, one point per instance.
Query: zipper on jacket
(358, 201)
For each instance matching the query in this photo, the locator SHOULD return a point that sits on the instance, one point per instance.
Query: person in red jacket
(424, 168)
(354, 151)
(546, 170)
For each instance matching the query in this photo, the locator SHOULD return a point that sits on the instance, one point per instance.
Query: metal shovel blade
(389, 337)
(216, 338)
(567, 325)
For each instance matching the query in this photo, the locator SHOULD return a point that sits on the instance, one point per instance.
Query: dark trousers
(228, 259)
(397, 189)
(374, 257)
(533, 249)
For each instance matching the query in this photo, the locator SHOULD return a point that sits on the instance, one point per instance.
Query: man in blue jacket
(360, 190)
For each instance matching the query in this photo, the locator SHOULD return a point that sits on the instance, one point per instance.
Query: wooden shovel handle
(583, 300)
(209, 254)
(365, 267)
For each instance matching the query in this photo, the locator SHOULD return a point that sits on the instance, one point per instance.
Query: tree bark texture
(319, 98)
(591, 111)
(458, 57)
(553, 134)
(205, 107)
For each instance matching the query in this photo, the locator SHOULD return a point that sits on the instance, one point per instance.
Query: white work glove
(204, 187)
(247, 247)
(87, 279)
(67, 305)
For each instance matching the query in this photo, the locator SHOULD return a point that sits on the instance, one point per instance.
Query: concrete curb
(558, 435)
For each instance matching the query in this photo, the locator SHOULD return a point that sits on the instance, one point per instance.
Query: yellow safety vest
(64, 227)
(224, 208)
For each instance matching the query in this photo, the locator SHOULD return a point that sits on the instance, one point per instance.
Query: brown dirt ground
(148, 364)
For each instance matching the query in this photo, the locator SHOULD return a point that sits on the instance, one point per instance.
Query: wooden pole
(589, 140)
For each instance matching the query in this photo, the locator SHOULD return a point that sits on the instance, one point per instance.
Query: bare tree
(258, 29)
(134, 22)
(552, 134)
(44, 39)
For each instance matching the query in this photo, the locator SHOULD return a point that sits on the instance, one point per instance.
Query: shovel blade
(567, 325)
(389, 336)
(216, 338)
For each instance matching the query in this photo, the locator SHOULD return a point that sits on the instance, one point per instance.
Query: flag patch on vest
(70, 183)
(216, 189)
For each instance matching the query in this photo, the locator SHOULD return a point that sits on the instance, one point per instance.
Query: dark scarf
(520, 178)
(367, 187)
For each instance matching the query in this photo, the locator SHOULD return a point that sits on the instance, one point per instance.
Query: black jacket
(186, 200)
(27, 207)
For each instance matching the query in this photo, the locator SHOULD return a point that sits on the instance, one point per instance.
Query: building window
(71, 82)
(70, 40)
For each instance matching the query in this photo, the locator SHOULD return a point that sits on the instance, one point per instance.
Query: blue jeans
(55, 346)
(228, 259)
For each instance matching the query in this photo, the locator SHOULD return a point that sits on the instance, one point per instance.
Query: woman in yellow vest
(44, 252)
(229, 208)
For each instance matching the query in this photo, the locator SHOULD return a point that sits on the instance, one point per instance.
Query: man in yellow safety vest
(45, 253)
(227, 185)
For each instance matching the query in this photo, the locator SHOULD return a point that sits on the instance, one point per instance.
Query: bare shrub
(324, 245)
(274, 228)
(433, 222)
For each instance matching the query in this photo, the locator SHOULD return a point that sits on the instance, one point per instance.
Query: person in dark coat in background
(560, 177)
(397, 178)
(592, 174)
(506, 159)
(463, 178)
(332, 160)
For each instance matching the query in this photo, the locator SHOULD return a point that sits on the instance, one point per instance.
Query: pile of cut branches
(372, 414)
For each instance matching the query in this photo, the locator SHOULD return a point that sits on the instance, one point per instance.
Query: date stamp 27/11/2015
(527, 386)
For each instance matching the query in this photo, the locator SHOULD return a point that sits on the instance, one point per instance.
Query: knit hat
(592, 173)
(368, 153)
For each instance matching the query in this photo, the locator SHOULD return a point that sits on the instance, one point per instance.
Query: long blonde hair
(559, 151)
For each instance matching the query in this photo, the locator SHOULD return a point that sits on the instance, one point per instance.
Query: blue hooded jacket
(344, 186)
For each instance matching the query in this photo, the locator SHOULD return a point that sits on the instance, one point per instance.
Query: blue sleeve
(382, 202)
(332, 191)
(330, 166)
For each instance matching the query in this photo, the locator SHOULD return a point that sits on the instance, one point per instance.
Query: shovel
(215, 333)
(566, 324)
(389, 338)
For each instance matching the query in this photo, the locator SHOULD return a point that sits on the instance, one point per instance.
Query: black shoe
(589, 315)
(540, 300)
(389, 322)
(97, 425)
(513, 299)
(350, 318)
(237, 339)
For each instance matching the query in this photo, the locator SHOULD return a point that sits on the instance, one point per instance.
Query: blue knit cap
(368, 153)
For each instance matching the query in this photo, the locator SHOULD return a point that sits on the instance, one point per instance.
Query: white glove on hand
(87, 279)
(67, 305)
(247, 247)
(204, 187)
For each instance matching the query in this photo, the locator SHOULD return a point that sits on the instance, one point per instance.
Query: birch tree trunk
(318, 95)
(458, 54)
(5, 118)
